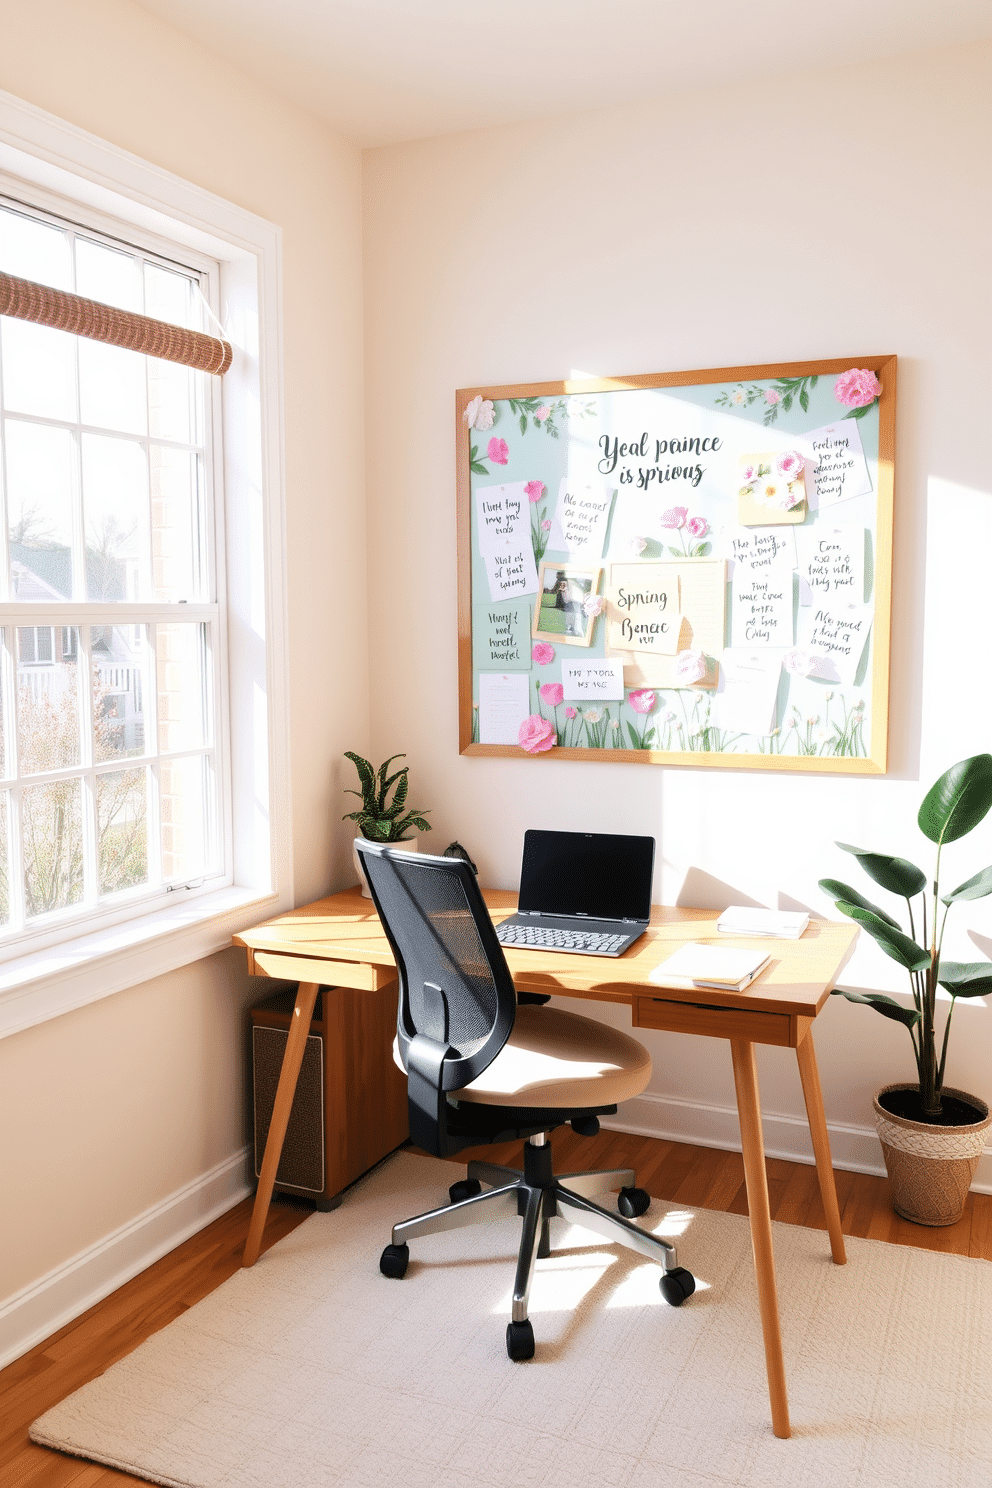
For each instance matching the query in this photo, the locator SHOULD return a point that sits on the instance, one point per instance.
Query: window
(148, 818)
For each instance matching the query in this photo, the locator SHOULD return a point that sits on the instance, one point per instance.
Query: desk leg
(296, 1043)
(756, 1179)
(810, 1077)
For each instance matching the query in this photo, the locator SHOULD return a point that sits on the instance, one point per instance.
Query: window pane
(171, 297)
(39, 506)
(4, 859)
(47, 698)
(39, 369)
(112, 387)
(34, 250)
(107, 275)
(3, 740)
(52, 833)
(170, 401)
(115, 507)
(175, 524)
(181, 658)
(118, 654)
(185, 789)
(122, 829)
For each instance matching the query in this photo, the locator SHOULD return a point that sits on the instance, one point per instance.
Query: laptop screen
(599, 874)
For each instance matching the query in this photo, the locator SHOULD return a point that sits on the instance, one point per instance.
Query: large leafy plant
(382, 819)
(951, 809)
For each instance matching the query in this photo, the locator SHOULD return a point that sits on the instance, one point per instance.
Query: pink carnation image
(749, 475)
(643, 700)
(789, 465)
(772, 397)
(542, 653)
(595, 604)
(857, 388)
(552, 693)
(674, 517)
(536, 734)
(697, 526)
(690, 666)
(498, 451)
(570, 712)
(534, 489)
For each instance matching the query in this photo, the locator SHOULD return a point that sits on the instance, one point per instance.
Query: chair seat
(560, 1060)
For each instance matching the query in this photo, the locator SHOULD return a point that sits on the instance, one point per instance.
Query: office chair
(483, 1067)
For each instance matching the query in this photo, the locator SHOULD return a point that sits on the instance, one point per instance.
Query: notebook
(582, 892)
(783, 924)
(700, 965)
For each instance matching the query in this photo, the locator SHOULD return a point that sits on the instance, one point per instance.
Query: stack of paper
(782, 923)
(697, 965)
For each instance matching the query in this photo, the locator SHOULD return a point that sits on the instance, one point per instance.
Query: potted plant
(932, 1134)
(382, 819)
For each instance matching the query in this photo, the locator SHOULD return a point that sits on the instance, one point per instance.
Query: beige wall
(120, 1104)
(836, 214)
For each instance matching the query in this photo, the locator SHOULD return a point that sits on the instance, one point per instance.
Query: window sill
(48, 983)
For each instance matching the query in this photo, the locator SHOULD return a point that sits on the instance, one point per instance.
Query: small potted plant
(932, 1134)
(382, 819)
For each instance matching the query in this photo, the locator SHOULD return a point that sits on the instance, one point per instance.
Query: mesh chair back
(455, 986)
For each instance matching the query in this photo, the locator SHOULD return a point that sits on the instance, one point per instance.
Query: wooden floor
(668, 1170)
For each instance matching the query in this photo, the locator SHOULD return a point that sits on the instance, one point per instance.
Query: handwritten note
(760, 547)
(835, 635)
(501, 638)
(502, 517)
(832, 564)
(836, 467)
(593, 679)
(643, 611)
(748, 691)
(503, 706)
(511, 571)
(703, 598)
(581, 518)
(762, 604)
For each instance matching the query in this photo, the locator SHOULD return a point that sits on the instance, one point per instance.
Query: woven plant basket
(930, 1167)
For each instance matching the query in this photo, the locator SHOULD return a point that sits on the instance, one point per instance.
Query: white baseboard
(46, 1305)
(855, 1149)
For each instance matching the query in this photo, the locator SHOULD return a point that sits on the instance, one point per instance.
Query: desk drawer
(713, 1022)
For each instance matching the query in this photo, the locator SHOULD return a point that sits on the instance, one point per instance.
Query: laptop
(587, 892)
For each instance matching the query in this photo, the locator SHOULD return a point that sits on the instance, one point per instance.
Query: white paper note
(581, 517)
(831, 564)
(835, 635)
(761, 612)
(504, 704)
(511, 570)
(759, 547)
(746, 701)
(643, 611)
(593, 679)
(502, 517)
(836, 468)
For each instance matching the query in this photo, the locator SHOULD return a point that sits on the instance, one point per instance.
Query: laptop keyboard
(543, 938)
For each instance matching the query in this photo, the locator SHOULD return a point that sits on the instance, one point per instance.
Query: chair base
(537, 1196)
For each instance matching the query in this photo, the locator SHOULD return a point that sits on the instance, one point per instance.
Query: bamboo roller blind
(63, 311)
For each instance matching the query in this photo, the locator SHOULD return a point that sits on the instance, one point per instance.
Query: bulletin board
(689, 568)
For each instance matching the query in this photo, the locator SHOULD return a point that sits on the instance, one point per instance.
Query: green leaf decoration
(634, 741)
(787, 402)
(675, 553)
(966, 978)
(523, 423)
(972, 888)
(958, 801)
(893, 942)
(804, 400)
(814, 380)
(887, 1006)
(860, 413)
(842, 893)
(898, 875)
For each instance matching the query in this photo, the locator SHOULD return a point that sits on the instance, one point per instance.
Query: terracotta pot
(930, 1167)
(408, 844)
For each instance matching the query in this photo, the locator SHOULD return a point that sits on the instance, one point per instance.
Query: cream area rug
(311, 1370)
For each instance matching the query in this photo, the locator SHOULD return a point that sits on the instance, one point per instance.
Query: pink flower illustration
(552, 693)
(498, 451)
(690, 666)
(772, 397)
(536, 735)
(697, 526)
(636, 546)
(570, 712)
(594, 605)
(789, 465)
(799, 663)
(534, 489)
(643, 700)
(546, 525)
(480, 414)
(674, 517)
(857, 388)
(749, 475)
(540, 414)
(543, 654)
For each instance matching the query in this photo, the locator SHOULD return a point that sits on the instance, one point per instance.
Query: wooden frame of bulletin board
(683, 568)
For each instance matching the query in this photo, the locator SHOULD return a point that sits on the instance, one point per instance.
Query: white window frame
(53, 165)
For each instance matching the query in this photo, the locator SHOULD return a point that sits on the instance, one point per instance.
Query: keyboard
(543, 938)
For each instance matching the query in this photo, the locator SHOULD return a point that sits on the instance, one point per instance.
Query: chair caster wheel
(394, 1261)
(465, 1188)
(520, 1340)
(677, 1285)
(633, 1201)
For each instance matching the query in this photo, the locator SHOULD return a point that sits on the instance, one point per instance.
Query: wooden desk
(340, 940)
